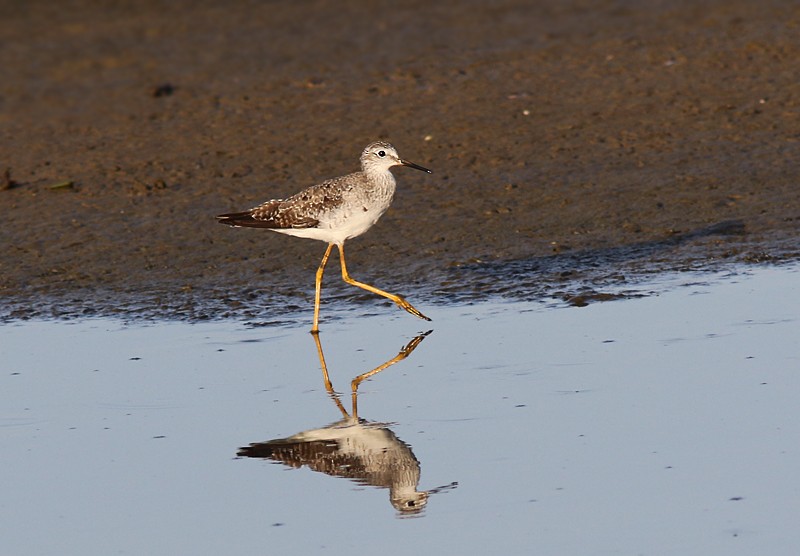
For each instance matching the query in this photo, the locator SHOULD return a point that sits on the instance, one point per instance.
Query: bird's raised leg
(399, 299)
(320, 272)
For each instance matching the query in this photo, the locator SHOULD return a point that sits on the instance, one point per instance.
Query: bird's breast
(360, 209)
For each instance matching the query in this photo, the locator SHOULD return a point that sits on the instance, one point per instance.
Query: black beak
(412, 165)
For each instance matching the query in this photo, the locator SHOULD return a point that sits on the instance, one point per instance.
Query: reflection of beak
(412, 165)
(443, 488)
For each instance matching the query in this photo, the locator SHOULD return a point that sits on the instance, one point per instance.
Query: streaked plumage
(335, 211)
(368, 453)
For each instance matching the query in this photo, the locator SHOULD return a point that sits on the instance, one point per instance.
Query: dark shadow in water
(366, 452)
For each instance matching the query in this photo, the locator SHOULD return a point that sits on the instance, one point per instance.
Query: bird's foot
(402, 303)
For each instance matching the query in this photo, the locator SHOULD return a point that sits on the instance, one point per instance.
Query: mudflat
(575, 145)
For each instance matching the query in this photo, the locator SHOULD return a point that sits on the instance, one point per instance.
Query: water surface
(665, 424)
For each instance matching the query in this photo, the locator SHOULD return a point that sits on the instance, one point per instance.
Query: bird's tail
(259, 217)
(237, 219)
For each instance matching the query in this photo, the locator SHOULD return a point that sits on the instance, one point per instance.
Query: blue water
(668, 424)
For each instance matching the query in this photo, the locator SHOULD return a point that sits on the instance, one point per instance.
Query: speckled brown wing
(272, 214)
(298, 211)
(251, 218)
(317, 199)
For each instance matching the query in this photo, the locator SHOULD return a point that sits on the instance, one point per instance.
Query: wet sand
(575, 146)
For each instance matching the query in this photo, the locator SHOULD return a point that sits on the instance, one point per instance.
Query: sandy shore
(574, 145)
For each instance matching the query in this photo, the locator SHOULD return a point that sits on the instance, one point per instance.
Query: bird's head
(380, 156)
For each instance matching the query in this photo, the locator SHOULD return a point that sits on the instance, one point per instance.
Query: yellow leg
(320, 272)
(398, 299)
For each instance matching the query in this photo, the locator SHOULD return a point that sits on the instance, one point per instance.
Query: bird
(334, 211)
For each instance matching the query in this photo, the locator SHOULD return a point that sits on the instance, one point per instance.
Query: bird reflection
(363, 451)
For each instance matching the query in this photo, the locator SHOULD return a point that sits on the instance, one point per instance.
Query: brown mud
(576, 147)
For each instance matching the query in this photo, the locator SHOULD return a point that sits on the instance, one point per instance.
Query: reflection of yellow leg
(404, 352)
(328, 386)
(400, 300)
(318, 284)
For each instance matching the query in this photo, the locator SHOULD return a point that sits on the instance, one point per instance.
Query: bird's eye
(381, 153)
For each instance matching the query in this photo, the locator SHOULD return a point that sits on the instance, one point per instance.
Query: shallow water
(665, 424)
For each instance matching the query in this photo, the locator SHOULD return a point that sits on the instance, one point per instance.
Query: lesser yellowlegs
(335, 211)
